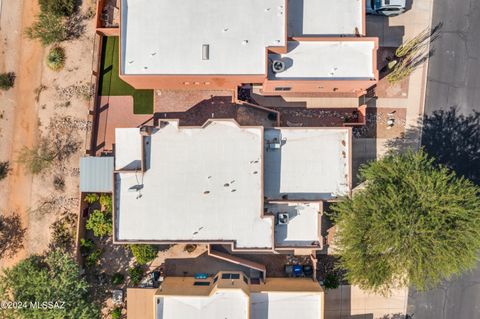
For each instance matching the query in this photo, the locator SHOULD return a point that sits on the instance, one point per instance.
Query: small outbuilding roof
(96, 174)
(325, 18)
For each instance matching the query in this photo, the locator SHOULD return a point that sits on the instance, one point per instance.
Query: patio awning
(96, 174)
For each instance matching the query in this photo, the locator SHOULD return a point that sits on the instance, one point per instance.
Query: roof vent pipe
(206, 52)
(278, 66)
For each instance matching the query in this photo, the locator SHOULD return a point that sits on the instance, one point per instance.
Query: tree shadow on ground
(12, 235)
(453, 139)
(397, 316)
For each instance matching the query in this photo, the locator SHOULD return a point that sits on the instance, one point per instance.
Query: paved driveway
(350, 302)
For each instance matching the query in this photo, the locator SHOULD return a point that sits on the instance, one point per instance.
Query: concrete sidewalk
(350, 302)
(392, 32)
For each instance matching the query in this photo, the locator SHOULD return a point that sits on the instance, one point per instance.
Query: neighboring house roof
(325, 18)
(230, 295)
(327, 60)
(231, 37)
(286, 305)
(201, 184)
(167, 36)
(235, 304)
(96, 174)
(223, 303)
(141, 303)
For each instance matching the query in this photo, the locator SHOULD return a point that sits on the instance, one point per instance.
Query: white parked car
(389, 8)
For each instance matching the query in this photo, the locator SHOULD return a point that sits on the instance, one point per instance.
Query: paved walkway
(392, 32)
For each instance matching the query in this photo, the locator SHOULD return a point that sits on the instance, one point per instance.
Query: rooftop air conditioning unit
(275, 145)
(278, 66)
(282, 218)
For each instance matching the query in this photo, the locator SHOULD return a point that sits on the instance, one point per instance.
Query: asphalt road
(455, 299)
(453, 81)
(454, 69)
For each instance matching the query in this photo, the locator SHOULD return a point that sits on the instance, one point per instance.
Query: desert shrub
(100, 223)
(93, 258)
(62, 236)
(59, 183)
(117, 313)
(49, 29)
(331, 281)
(190, 248)
(86, 246)
(106, 202)
(56, 58)
(91, 198)
(4, 169)
(144, 253)
(136, 274)
(37, 158)
(58, 7)
(118, 278)
(7, 80)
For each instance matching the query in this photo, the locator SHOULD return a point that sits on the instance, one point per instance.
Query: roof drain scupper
(206, 52)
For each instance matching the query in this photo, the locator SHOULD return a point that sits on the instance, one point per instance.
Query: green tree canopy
(415, 223)
(53, 277)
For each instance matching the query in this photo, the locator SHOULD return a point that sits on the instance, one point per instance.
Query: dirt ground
(19, 122)
(42, 103)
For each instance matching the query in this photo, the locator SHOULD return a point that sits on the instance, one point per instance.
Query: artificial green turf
(111, 84)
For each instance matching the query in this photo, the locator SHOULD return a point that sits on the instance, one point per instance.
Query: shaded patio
(306, 117)
(182, 101)
(202, 264)
(219, 107)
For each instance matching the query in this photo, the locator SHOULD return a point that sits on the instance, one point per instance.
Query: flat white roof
(286, 305)
(225, 303)
(128, 153)
(311, 164)
(167, 36)
(321, 17)
(327, 60)
(201, 184)
(303, 226)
